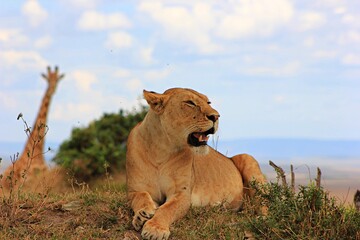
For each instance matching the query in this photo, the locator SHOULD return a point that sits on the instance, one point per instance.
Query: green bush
(102, 144)
(309, 213)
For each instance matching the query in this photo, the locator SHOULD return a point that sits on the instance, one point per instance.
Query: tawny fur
(166, 175)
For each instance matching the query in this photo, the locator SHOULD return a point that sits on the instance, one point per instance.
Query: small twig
(280, 172)
(292, 178)
(318, 178)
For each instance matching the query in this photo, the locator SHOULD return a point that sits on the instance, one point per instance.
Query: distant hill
(339, 160)
(294, 148)
(260, 148)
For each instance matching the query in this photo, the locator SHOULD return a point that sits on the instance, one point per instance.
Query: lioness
(169, 165)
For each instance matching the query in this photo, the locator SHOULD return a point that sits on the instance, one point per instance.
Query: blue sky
(273, 69)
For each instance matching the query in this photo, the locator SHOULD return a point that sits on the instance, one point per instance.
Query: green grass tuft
(309, 213)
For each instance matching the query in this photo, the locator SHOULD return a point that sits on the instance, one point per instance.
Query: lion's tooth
(203, 138)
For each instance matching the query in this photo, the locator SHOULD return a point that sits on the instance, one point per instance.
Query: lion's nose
(213, 117)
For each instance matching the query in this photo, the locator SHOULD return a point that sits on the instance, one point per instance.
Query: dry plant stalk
(280, 172)
(17, 178)
(318, 178)
(292, 178)
(42, 130)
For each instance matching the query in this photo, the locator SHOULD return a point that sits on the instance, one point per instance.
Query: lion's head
(185, 116)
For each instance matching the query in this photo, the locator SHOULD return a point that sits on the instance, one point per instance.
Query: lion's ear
(156, 101)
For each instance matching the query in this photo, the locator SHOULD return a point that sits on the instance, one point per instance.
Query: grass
(309, 213)
(90, 214)
(103, 213)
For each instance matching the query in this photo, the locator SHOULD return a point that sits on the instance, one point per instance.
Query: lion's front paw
(154, 231)
(142, 216)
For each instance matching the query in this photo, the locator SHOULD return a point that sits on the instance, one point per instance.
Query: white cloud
(279, 99)
(201, 25)
(34, 12)
(244, 18)
(146, 55)
(82, 4)
(351, 19)
(273, 47)
(157, 74)
(326, 54)
(84, 98)
(83, 80)
(43, 42)
(310, 20)
(309, 42)
(340, 10)
(75, 111)
(95, 21)
(12, 37)
(134, 85)
(122, 73)
(7, 101)
(23, 59)
(351, 36)
(285, 70)
(88, 106)
(81, 100)
(351, 59)
(118, 40)
(184, 25)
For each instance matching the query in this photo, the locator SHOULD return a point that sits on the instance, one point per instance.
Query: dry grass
(209, 223)
(101, 212)
(85, 214)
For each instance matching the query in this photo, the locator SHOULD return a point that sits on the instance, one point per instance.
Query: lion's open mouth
(197, 139)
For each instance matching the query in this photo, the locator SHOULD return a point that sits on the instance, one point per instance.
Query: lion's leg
(250, 170)
(143, 206)
(174, 208)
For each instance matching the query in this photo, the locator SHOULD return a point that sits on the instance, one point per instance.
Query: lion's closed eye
(190, 103)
